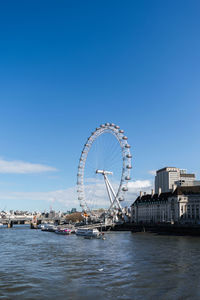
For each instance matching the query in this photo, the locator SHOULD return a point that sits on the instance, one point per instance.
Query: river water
(43, 265)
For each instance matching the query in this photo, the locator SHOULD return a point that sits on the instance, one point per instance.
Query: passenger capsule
(80, 198)
(125, 189)
(128, 178)
(127, 146)
(129, 167)
(129, 156)
(125, 138)
(107, 124)
(116, 126)
(121, 131)
(112, 124)
(102, 126)
(97, 128)
(121, 199)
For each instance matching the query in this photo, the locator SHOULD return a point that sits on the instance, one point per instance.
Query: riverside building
(179, 202)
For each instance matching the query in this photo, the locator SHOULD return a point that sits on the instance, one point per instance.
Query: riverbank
(170, 229)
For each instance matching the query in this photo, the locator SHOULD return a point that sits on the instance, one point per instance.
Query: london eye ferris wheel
(104, 170)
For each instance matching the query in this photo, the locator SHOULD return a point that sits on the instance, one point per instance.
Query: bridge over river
(10, 221)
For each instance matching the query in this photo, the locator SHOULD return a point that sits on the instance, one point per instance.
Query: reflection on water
(43, 265)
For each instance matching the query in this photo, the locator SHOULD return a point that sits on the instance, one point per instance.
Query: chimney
(174, 186)
(159, 191)
(141, 194)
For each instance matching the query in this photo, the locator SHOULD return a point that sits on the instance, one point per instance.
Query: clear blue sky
(68, 66)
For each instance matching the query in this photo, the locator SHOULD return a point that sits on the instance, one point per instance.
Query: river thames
(43, 265)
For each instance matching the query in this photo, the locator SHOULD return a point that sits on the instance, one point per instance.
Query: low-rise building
(181, 205)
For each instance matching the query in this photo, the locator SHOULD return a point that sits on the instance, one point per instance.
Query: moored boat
(88, 232)
(48, 227)
(64, 231)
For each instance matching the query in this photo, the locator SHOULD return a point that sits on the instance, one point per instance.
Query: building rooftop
(180, 190)
(167, 169)
(187, 190)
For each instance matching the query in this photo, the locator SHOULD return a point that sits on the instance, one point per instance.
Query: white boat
(48, 227)
(88, 232)
(64, 231)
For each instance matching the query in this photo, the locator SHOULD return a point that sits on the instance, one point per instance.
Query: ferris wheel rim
(126, 162)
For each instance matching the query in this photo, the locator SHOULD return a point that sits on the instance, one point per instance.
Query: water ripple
(42, 265)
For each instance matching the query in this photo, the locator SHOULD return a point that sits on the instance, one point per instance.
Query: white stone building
(181, 205)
